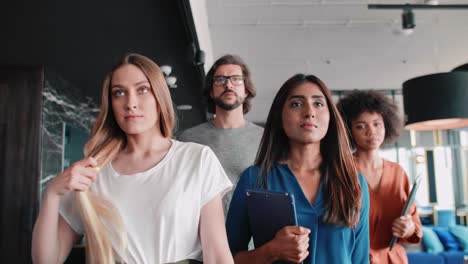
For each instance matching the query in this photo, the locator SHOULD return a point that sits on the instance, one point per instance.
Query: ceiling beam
(415, 6)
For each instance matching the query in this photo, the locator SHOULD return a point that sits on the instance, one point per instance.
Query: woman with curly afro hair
(373, 120)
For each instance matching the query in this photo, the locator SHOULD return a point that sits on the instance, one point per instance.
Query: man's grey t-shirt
(235, 148)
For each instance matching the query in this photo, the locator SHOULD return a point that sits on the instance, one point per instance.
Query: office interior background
(55, 54)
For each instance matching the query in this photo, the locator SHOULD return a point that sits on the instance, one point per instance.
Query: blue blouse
(328, 243)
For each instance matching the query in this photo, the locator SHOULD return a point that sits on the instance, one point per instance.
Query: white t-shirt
(160, 207)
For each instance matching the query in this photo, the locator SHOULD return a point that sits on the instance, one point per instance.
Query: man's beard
(228, 107)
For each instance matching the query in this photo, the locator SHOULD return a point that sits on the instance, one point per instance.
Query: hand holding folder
(269, 213)
(408, 203)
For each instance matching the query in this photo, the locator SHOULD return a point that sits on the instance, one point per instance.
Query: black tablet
(268, 213)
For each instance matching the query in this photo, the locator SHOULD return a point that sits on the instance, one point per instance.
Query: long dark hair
(339, 175)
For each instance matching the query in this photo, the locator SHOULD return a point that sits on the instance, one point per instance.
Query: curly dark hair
(248, 83)
(358, 102)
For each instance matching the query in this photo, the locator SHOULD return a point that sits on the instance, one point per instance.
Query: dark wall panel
(20, 120)
(81, 41)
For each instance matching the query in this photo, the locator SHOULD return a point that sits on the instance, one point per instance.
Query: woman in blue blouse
(305, 151)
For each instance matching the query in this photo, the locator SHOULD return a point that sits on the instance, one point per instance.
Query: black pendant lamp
(463, 67)
(436, 101)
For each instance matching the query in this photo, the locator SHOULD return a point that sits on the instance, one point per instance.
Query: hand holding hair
(78, 177)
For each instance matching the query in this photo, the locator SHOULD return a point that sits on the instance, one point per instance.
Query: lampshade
(436, 101)
(463, 67)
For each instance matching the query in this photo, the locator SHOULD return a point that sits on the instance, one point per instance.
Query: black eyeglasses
(222, 80)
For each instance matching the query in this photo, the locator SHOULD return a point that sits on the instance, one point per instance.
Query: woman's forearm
(45, 237)
(261, 255)
(213, 233)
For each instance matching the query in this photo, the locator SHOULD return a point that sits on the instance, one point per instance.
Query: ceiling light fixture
(422, 101)
(415, 6)
(407, 19)
(166, 69)
(170, 80)
(407, 22)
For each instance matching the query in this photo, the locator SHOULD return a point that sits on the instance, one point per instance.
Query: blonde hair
(101, 219)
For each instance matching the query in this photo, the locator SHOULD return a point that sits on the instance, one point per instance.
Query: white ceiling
(340, 41)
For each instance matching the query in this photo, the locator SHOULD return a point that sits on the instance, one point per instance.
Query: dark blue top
(328, 243)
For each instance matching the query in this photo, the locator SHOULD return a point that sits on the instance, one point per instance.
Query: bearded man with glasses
(229, 91)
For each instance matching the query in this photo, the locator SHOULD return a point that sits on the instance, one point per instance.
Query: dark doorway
(20, 118)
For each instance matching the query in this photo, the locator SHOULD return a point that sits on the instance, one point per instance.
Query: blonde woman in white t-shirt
(138, 196)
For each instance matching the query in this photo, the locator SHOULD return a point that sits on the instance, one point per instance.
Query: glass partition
(67, 117)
